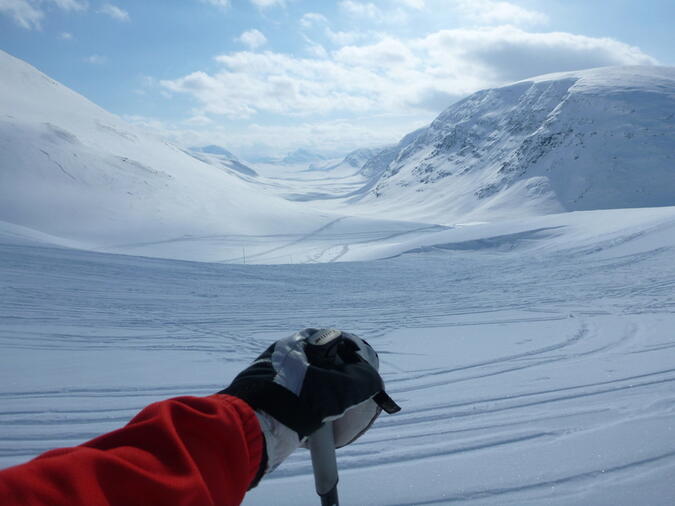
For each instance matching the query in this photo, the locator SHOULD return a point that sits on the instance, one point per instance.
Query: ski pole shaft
(324, 463)
(321, 351)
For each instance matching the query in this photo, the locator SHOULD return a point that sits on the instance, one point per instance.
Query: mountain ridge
(545, 144)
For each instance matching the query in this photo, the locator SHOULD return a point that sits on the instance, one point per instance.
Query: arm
(210, 450)
(187, 451)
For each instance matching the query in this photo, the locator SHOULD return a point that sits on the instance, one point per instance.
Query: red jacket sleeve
(183, 451)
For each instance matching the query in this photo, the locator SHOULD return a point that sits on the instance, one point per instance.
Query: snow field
(527, 375)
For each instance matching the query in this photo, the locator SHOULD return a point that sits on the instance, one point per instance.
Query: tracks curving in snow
(517, 372)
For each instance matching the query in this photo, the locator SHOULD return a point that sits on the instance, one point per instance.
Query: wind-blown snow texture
(533, 353)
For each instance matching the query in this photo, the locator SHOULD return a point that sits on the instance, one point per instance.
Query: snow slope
(536, 235)
(594, 139)
(527, 375)
(72, 170)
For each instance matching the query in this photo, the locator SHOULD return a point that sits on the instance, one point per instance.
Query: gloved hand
(295, 387)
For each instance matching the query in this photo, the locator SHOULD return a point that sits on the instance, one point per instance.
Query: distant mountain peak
(302, 155)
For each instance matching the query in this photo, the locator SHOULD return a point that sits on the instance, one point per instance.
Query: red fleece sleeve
(183, 451)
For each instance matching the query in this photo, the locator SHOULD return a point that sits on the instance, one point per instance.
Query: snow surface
(532, 350)
(527, 375)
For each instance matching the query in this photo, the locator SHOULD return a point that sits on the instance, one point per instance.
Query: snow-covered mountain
(70, 169)
(302, 156)
(295, 161)
(351, 164)
(359, 157)
(594, 139)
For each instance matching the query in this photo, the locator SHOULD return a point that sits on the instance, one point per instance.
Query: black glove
(302, 385)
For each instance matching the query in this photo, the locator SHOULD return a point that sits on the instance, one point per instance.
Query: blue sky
(263, 77)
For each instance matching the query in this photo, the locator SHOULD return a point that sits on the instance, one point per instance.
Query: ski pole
(324, 463)
(322, 350)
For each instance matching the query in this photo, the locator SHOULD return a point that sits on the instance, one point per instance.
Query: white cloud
(277, 83)
(66, 36)
(369, 12)
(310, 19)
(218, 3)
(253, 38)
(507, 53)
(316, 50)
(114, 12)
(361, 9)
(71, 5)
(199, 120)
(344, 38)
(413, 4)
(29, 14)
(387, 53)
(488, 12)
(96, 59)
(407, 78)
(23, 12)
(266, 3)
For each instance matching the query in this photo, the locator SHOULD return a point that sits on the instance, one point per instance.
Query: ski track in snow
(524, 378)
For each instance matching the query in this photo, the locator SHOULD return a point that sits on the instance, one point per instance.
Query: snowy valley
(513, 263)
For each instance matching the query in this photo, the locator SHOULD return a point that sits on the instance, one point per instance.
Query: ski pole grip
(322, 346)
